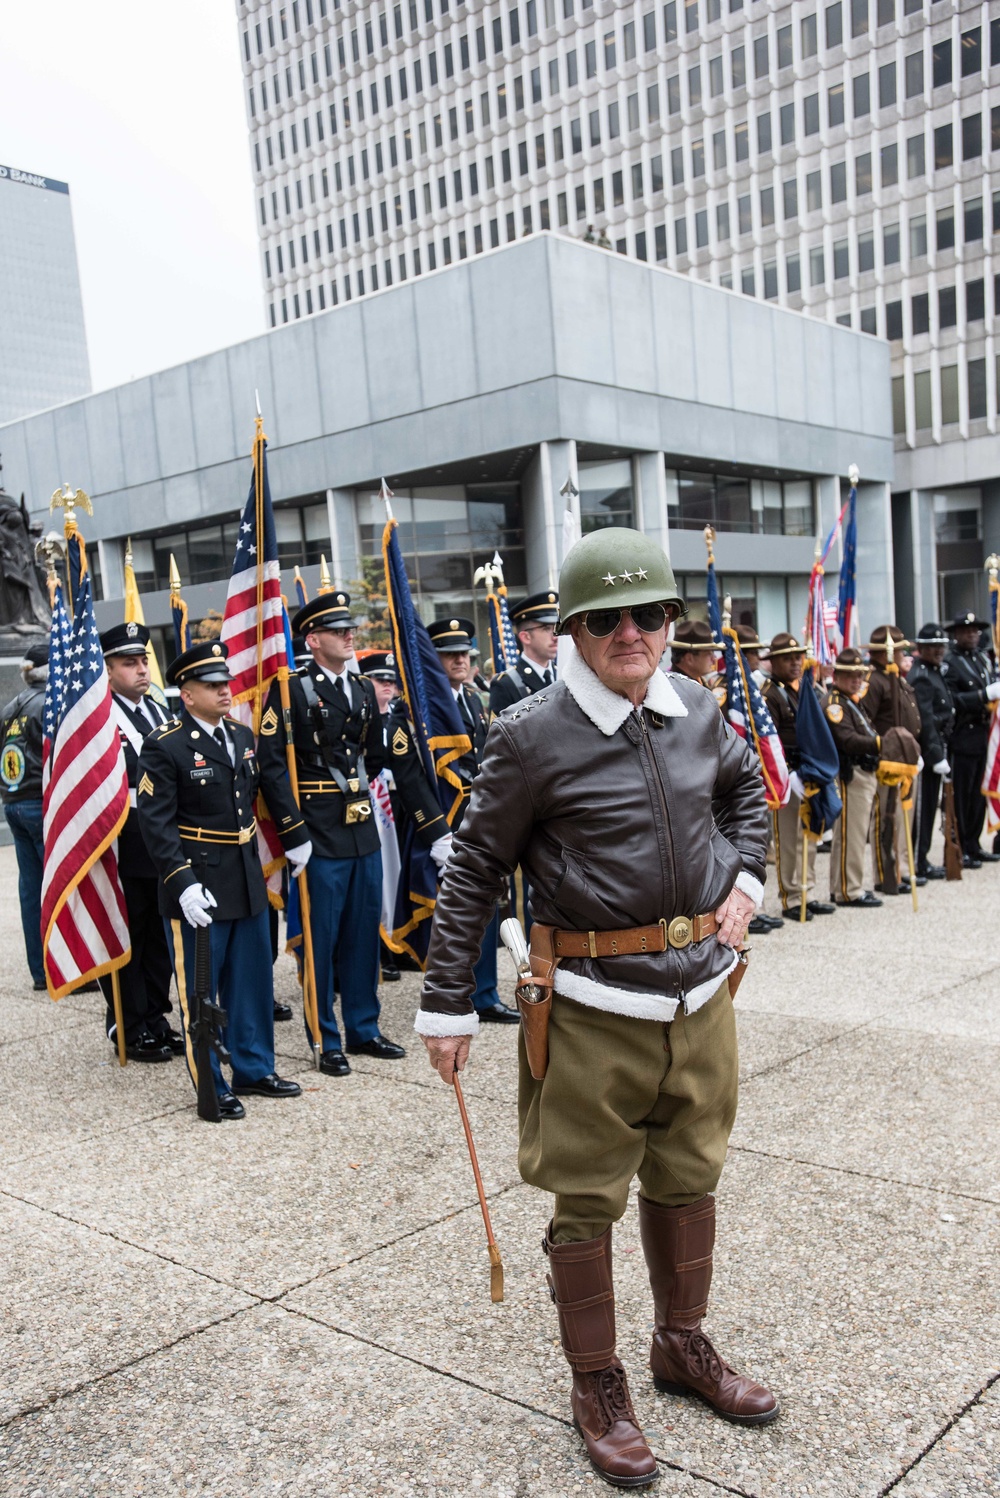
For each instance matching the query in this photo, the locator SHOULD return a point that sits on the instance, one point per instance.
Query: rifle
(205, 1024)
(952, 845)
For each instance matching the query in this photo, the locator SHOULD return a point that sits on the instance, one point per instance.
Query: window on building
(807, 36)
(738, 67)
(814, 192)
(889, 166)
(887, 85)
(715, 80)
(944, 237)
(841, 259)
(941, 63)
(949, 394)
(975, 300)
(920, 314)
(790, 198)
(787, 123)
(744, 214)
(890, 244)
(698, 158)
(748, 281)
(760, 57)
(972, 136)
(834, 25)
(764, 132)
(918, 237)
(680, 235)
(606, 495)
(976, 375)
(866, 251)
(674, 94)
(810, 114)
(793, 274)
(915, 165)
(701, 229)
(861, 88)
(722, 222)
(913, 68)
(947, 307)
(899, 405)
(835, 105)
(859, 17)
(719, 150)
(741, 140)
(972, 213)
(893, 320)
(817, 273)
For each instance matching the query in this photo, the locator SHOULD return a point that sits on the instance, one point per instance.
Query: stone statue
(23, 606)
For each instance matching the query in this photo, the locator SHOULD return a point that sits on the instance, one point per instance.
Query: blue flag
(819, 762)
(441, 739)
(847, 598)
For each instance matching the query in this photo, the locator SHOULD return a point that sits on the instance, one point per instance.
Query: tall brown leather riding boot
(677, 1243)
(581, 1285)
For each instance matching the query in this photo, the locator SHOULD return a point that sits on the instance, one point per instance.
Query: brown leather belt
(680, 932)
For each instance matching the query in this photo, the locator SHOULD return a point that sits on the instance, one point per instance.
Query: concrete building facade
(838, 159)
(493, 395)
(44, 343)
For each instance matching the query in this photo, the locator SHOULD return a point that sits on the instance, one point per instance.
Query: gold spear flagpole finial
(709, 534)
(129, 560)
(325, 581)
(175, 576)
(854, 474)
(992, 566)
(727, 612)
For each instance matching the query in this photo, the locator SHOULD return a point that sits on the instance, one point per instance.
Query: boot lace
(702, 1356)
(612, 1397)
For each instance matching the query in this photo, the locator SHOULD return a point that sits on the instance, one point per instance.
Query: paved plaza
(299, 1303)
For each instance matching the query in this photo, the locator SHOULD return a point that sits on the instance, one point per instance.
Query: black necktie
(547, 677)
(219, 735)
(342, 693)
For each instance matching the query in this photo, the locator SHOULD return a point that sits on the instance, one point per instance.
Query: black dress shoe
(774, 921)
(230, 1106)
(760, 926)
(968, 862)
(867, 901)
(389, 974)
(500, 1014)
(921, 880)
(174, 1039)
(146, 1048)
(270, 1086)
(985, 857)
(282, 1012)
(335, 1064)
(379, 1047)
(899, 890)
(819, 907)
(793, 913)
(932, 871)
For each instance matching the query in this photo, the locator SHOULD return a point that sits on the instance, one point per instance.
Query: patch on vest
(145, 787)
(12, 766)
(400, 742)
(269, 723)
(835, 712)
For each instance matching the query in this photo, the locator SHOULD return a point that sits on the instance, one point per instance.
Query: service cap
(125, 639)
(205, 661)
(325, 611)
(452, 634)
(784, 644)
(693, 634)
(537, 608)
(380, 665)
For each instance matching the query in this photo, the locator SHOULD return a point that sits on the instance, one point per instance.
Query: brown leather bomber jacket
(619, 818)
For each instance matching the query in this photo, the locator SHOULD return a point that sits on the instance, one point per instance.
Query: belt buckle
(246, 833)
(679, 931)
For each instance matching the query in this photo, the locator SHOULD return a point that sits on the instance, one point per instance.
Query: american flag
(85, 803)
(750, 719)
(256, 638)
(991, 777)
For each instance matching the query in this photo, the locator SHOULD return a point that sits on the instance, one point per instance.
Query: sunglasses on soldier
(647, 617)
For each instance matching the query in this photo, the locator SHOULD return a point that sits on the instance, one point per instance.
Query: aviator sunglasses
(647, 617)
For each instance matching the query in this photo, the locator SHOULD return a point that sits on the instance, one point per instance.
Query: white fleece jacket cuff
(752, 887)
(428, 1022)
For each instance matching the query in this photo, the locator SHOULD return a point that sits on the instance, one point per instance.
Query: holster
(534, 1000)
(738, 973)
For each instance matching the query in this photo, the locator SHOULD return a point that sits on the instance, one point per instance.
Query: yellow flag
(134, 615)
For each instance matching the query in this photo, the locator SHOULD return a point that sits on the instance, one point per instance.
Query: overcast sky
(139, 107)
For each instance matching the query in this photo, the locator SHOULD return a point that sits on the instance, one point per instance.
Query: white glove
(920, 763)
(795, 781)
(441, 852)
(195, 902)
(298, 858)
(993, 692)
(942, 768)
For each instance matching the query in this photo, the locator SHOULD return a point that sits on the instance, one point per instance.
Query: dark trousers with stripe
(345, 897)
(145, 979)
(967, 772)
(241, 979)
(930, 789)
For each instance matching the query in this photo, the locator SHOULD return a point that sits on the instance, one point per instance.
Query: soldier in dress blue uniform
(337, 734)
(453, 641)
(534, 621)
(144, 982)
(198, 779)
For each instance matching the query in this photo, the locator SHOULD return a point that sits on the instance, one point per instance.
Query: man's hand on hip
(734, 916)
(447, 1054)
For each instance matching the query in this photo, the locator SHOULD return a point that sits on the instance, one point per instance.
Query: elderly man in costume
(640, 818)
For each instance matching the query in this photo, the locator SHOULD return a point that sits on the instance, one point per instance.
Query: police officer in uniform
(198, 779)
(452, 640)
(21, 735)
(973, 685)
(337, 734)
(144, 982)
(890, 702)
(937, 719)
(534, 621)
(693, 652)
(781, 693)
(857, 745)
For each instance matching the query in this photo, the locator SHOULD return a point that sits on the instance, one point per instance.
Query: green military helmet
(613, 568)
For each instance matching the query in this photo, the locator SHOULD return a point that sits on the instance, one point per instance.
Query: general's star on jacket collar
(606, 709)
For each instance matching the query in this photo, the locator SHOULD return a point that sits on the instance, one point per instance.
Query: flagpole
(116, 995)
(258, 470)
